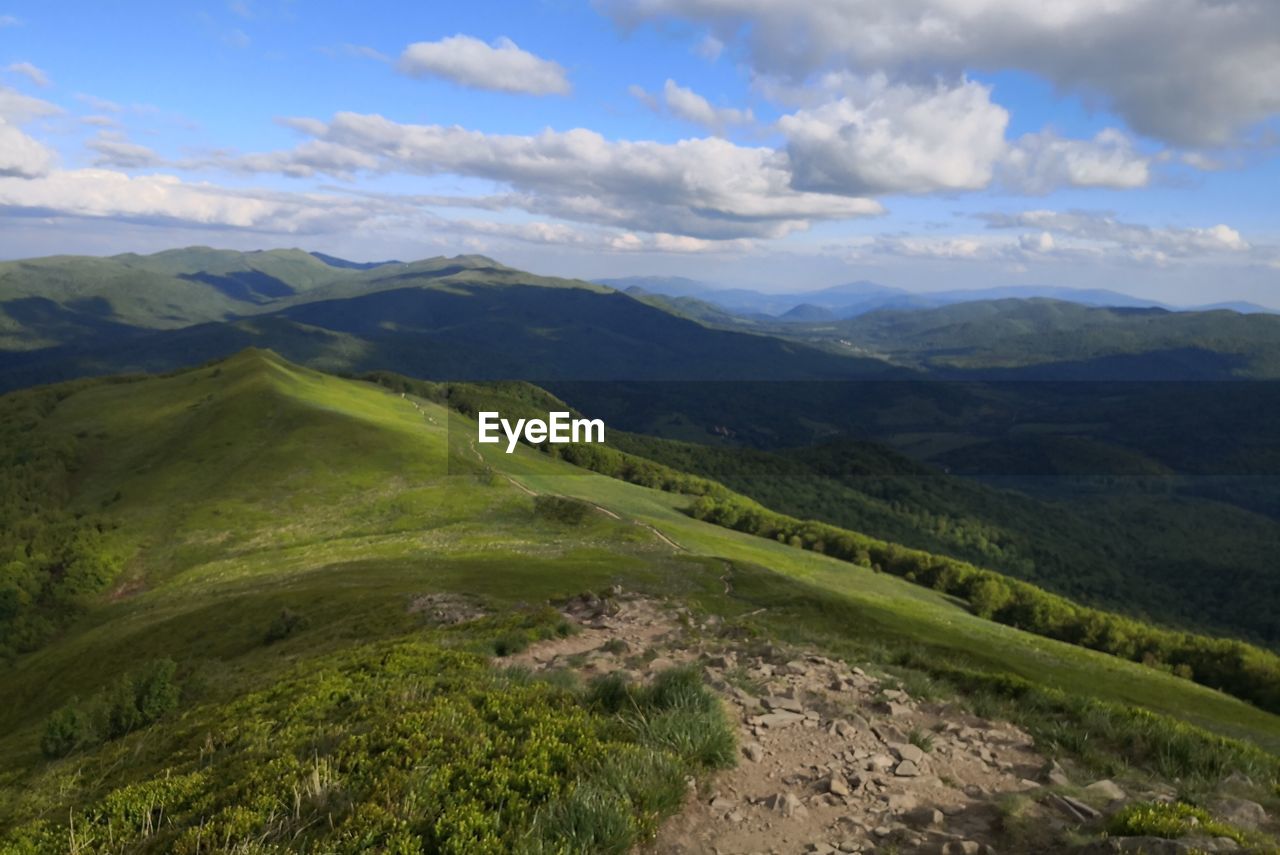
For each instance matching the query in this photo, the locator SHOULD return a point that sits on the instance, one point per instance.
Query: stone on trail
(907, 769)
(1106, 789)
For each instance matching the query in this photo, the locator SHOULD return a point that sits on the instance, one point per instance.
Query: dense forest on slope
(52, 558)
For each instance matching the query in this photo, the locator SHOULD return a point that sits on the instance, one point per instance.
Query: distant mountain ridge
(459, 317)
(857, 298)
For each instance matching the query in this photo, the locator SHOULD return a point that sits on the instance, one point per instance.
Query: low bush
(402, 747)
(1170, 821)
(284, 625)
(561, 509)
(135, 700)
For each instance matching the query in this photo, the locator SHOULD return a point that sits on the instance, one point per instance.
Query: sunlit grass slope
(240, 489)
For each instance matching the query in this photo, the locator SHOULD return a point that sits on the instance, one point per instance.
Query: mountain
(807, 313)
(459, 317)
(334, 261)
(1053, 338)
(301, 613)
(853, 299)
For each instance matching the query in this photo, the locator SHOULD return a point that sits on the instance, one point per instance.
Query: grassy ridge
(255, 486)
(1245, 671)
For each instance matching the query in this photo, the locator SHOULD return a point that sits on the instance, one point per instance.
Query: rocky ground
(835, 759)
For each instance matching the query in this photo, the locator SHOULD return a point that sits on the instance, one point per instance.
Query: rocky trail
(838, 760)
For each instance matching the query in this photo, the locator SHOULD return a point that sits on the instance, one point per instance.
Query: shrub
(284, 625)
(135, 700)
(403, 747)
(561, 509)
(1171, 821)
(66, 730)
(510, 643)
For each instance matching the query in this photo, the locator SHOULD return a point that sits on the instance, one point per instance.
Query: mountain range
(262, 591)
(857, 298)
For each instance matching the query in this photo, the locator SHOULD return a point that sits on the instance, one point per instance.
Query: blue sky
(1128, 144)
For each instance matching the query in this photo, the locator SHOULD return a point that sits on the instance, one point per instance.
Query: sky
(925, 144)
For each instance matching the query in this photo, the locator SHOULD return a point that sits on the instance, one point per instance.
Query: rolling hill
(465, 316)
(267, 531)
(1052, 339)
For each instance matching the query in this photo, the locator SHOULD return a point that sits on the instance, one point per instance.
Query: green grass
(256, 486)
(1170, 821)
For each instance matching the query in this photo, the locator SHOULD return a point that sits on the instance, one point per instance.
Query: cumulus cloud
(29, 71)
(21, 156)
(701, 188)
(1188, 72)
(501, 67)
(686, 104)
(883, 138)
(1040, 163)
(692, 107)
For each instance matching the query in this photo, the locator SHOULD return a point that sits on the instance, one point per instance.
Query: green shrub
(66, 730)
(1171, 821)
(402, 748)
(510, 643)
(561, 509)
(610, 693)
(135, 700)
(284, 625)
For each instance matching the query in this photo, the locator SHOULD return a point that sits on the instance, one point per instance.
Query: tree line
(51, 556)
(1235, 667)
(1240, 669)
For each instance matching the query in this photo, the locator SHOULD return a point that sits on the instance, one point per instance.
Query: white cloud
(883, 138)
(359, 52)
(596, 240)
(29, 71)
(710, 48)
(9, 21)
(114, 150)
(692, 107)
(702, 188)
(1189, 72)
(100, 193)
(1040, 163)
(1138, 241)
(635, 90)
(102, 105)
(19, 108)
(1042, 242)
(20, 155)
(502, 66)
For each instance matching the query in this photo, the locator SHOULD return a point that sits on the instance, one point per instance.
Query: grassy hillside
(235, 491)
(1055, 339)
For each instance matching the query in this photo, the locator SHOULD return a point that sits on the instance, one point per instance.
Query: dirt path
(833, 759)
